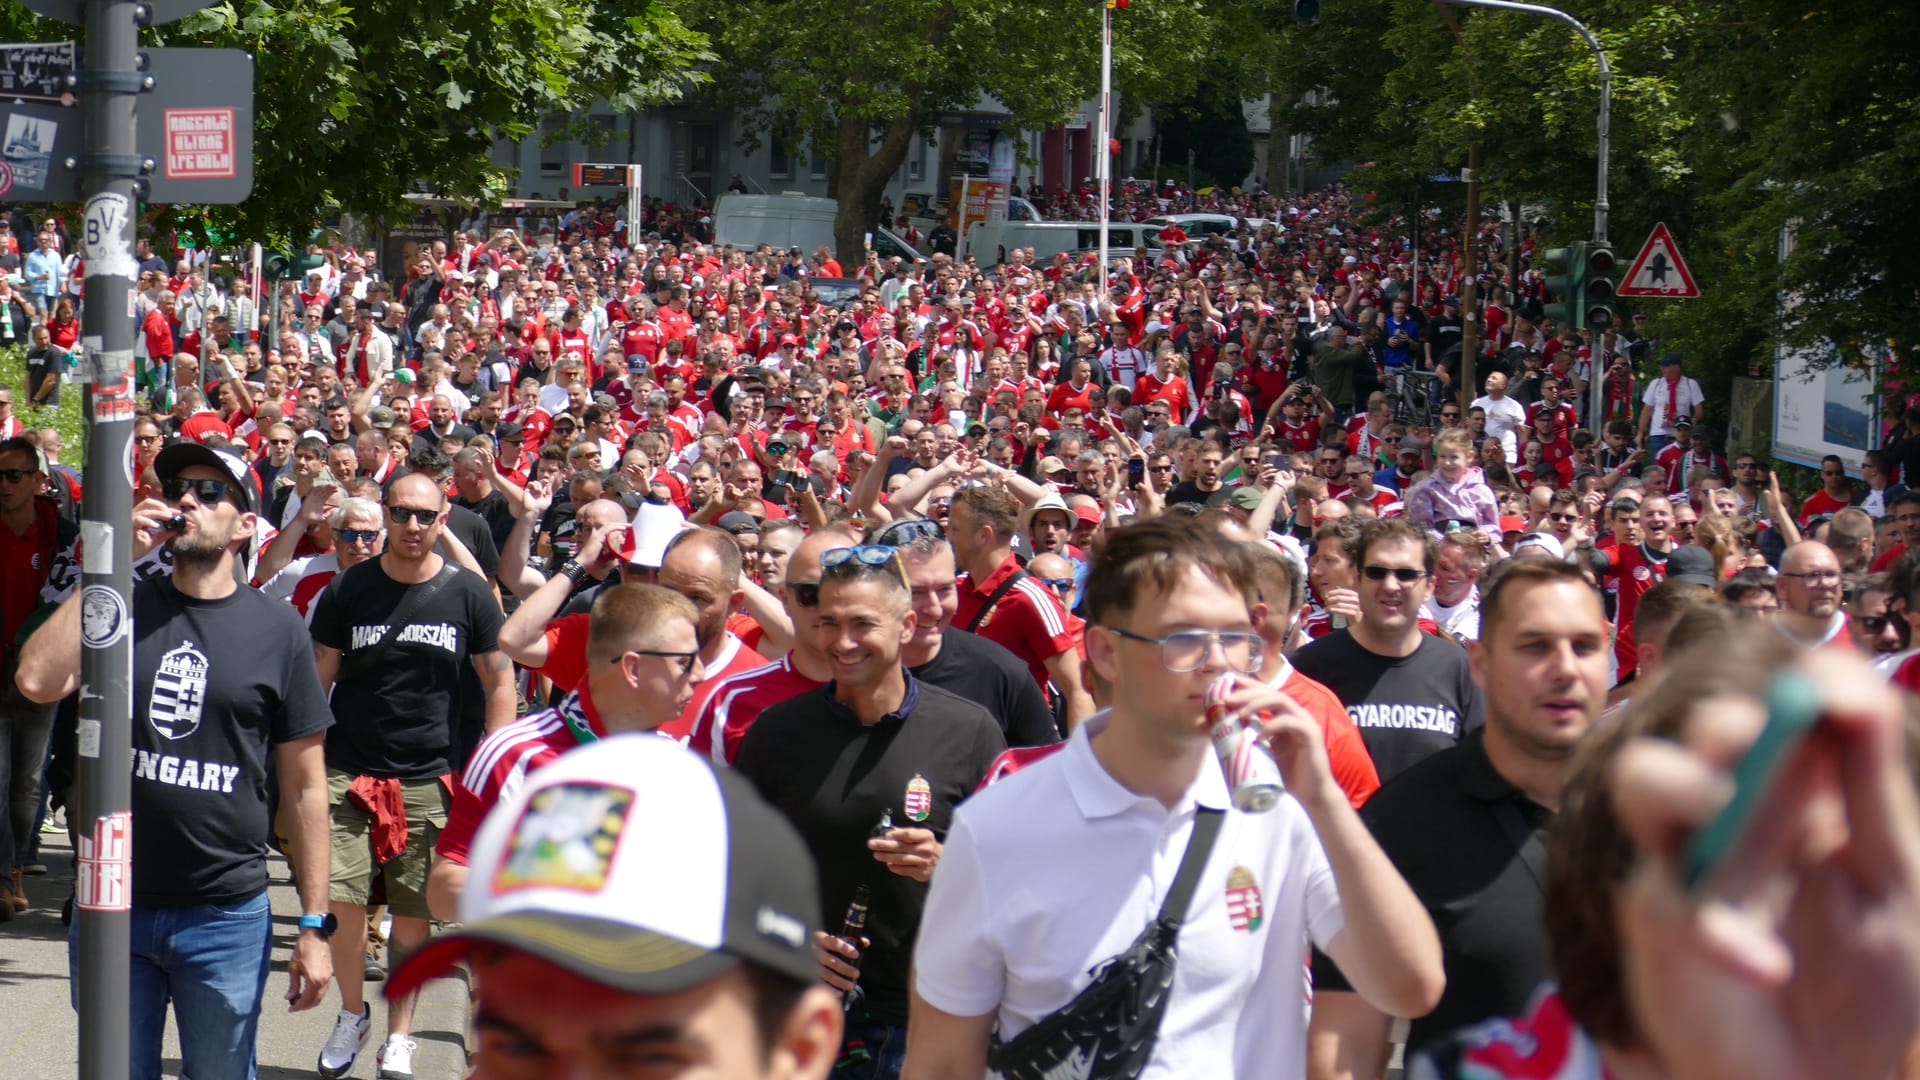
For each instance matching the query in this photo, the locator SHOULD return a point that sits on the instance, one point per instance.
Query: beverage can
(1252, 774)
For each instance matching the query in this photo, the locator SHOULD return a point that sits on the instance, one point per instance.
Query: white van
(989, 241)
(790, 221)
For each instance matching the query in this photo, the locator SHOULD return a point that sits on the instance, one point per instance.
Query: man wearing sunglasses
(397, 735)
(222, 677)
(1409, 692)
(351, 532)
(643, 662)
(875, 745)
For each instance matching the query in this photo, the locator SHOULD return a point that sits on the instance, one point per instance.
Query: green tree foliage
(1732, 120)
(359, 103)
(1209, 122)
(861, 79)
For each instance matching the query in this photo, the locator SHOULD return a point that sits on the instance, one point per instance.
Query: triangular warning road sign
(1659, 270)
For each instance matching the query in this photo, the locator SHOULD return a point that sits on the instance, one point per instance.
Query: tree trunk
(1279, 135)
(862, 172)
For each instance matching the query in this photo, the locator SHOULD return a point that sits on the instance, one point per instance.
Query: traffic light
(279, 267)
(1597, 291)
(1566, 270)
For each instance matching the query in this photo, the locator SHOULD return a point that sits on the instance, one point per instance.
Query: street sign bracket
(113, 82)
(123, 165)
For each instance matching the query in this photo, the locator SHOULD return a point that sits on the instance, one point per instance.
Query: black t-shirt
(558, 525)
(985, 673)
(832, 776)
(499, 518)
(1455, 829)
(395, 719)
(1406, 707)
(216, 684)
(473, 531)
(1188, 491)
(44, 365)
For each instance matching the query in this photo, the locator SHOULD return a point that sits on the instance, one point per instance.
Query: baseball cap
(1512, 523)
(179, 455)
(1410, 443)
(654, 527)
(789, 339)
(380, 416)
(1246, 498)
(636, 865)
(1050, 465)
(1693, 564)
(1155, 327)
(738, 522)
(605, 400)
(1087, 514)
(508, 431)
(1451, 301)
(1670, 358)
(404, 375)
(1546, 542)
(1682, 422)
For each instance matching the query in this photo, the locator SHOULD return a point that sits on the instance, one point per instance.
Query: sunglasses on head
(174, 488)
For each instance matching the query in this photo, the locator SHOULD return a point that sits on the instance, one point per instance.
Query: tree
(1209, 122)
(864, 78)
(355, 105)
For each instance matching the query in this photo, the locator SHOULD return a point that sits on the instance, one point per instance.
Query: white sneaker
(396, 1058)
(350, 1031)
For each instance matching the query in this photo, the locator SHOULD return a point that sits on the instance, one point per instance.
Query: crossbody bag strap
(1206, 828)
(993, 601)
(402, 616)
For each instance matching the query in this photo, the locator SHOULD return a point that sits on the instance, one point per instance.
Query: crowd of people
(931, 590)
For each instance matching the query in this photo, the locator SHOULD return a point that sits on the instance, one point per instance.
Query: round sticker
(103, 616)
(6, 178)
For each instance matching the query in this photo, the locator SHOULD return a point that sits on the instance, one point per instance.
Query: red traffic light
(1600, 260)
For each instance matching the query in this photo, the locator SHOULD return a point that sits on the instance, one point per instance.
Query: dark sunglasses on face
(1406, 575)
(400, 515)
(354, 536)
(174, 488)
(806, 594)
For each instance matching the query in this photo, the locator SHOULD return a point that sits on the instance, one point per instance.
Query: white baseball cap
(631, 862)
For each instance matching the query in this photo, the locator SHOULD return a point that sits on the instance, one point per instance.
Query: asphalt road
(41, 1035)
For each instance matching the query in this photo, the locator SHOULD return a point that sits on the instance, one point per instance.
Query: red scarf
(1673, 402)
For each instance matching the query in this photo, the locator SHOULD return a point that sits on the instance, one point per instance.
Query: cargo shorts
(351, 828)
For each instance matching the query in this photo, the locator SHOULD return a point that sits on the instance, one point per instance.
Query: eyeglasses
(906, 532)
(354, 536)
(1816, 577)
(687, 659)
(1405, 575)
(400, 515)
(1185, 650)
(174, 488)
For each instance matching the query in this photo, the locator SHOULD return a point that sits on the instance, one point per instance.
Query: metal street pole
(109, 83)
(1596, 377)
(1605, 124)
(1104, 166)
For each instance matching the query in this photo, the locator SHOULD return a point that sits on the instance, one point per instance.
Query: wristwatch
(326, 924)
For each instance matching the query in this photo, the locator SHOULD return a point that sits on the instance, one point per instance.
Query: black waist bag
(1108, 1030)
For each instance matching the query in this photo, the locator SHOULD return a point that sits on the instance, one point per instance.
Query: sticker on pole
(103, 617)
(104, 242)
(105, 880)
(28, 149)
(200, 145)
(6, 178)
(1659, 270)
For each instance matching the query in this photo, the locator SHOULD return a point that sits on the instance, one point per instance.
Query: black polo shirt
(832, 776)
(1456, 829)
(987, 674)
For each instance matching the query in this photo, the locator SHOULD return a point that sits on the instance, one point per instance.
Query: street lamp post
(1104, 161)
(1605, 124)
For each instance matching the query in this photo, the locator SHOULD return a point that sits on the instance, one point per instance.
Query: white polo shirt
(1057, 868)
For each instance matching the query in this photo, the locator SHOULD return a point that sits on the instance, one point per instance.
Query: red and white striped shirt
(737, 701)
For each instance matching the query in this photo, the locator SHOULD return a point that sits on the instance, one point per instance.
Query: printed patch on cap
(919, 798)
(1243, 900)
(566, 838)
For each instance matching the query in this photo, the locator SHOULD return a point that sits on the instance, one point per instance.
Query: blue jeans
(886, 1047)
(211, 963)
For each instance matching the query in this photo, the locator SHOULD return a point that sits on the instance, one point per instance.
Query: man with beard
(1810, 597)
(1466, 827)
(222, 676)
(390, 637)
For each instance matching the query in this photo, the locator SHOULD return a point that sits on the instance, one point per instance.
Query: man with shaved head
(1810, 597)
